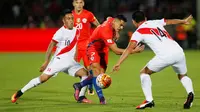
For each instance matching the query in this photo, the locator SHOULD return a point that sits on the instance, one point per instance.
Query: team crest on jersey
(78, 20)
(84, 20)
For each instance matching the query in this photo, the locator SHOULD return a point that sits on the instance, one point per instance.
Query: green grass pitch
(124, 94)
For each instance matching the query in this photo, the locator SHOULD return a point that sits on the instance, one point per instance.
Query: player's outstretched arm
(115, 49)
(96, 23)
(48, 55)
(179, 21)
(128, 50)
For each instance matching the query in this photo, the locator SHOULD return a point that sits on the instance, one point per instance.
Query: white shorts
(60, 64)
(177, 62)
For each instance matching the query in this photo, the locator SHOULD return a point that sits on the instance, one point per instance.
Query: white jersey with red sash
(167, 51)
(157, 38)
(63, 59)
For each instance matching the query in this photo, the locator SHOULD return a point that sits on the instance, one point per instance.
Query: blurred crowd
(32, 13)
(46, 13)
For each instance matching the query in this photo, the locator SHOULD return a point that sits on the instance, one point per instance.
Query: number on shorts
(92, 56)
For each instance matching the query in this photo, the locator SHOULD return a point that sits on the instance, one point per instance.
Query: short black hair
(66, 11)
(121, 17)
(138, 16)
(75, 0)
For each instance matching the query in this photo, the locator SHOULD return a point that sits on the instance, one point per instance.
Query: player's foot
(77, 88)
(15, 96)
(146, 104)
(90, 91)
(83, 99)
(189, 100)
(102, 101)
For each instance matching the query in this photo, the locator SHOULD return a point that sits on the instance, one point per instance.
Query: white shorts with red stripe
(177, 61)
(62, 64)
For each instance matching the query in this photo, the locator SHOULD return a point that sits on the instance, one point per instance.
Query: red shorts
(81, 54)
(98, 57)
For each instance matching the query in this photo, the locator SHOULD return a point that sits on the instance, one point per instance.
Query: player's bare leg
(81, 94)
(33, 83)
(187, 84)
(146, 87)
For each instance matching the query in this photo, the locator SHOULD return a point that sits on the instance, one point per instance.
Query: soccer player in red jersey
(97, 51)
(82, 21)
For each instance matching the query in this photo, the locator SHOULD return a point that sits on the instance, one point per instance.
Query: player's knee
(44, 78)
(180, 76)
(93, 66)
(146, 70)
(81, 72)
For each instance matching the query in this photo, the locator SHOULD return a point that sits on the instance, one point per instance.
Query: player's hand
(188, 20)
(44, 65)
(75, 58)
(139, 48)
(116, 67)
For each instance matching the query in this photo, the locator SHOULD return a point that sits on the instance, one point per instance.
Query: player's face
(78, 5)
(119, 25)
(68, 20)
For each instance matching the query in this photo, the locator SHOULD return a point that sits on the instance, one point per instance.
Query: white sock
(33, 83)
(146, 86)
(83, 90)
(187, 84)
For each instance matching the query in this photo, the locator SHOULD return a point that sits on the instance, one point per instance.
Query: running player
(167, 53)
(97, 51)
(63, 60)
(82, 20)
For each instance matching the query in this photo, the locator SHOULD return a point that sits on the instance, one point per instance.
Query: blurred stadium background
(28, 26)
(45, 14)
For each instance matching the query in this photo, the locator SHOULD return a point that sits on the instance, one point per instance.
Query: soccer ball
(103, 81)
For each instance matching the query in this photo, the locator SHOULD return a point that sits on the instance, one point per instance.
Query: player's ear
(134, 23)
(73, 3)
(63, 20)
(83, 3)
(145, 18)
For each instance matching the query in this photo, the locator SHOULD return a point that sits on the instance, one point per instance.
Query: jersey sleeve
(161, 21)
(92, 18)
(57, 37)
(136, 37)
(107, 36)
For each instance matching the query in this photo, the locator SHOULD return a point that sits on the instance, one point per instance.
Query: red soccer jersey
(82, 22)
(102, 36)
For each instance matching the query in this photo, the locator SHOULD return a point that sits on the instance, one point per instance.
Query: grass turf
(125, 93)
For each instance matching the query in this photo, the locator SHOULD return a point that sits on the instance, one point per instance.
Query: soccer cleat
(146, 104)
(15, 96)
(189, 100)
(102, 101)
(90, 91)
(77, 88)
(83, 99)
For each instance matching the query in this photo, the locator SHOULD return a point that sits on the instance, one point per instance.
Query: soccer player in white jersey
(65, 39)
(167, 53)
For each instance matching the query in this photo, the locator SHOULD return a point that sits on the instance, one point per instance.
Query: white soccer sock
(83, 90)
(33, 83)
(146, 86)
(187, 84)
